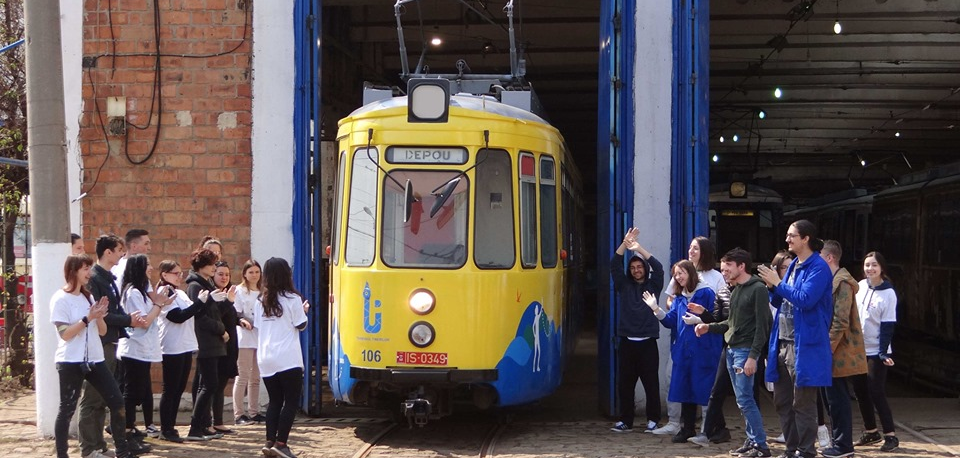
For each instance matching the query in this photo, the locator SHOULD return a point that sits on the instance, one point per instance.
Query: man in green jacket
(746, 331)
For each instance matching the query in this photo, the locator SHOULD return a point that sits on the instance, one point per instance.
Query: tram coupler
(417, 411)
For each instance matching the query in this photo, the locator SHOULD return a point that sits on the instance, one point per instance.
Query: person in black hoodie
(227, 364)
(637, 331)
(211, 340)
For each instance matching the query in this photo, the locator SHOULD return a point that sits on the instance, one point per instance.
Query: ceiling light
(777, 93)
(716, 158)
(721, 139)
(761, 114)
(736, 137)
(436, 41)
(837, 28)
(896, 134)
(863, 163)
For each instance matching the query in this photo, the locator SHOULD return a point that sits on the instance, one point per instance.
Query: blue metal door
(308, 263)
(615, 146)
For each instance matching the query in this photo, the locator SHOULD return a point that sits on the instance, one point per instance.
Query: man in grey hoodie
(637, 331)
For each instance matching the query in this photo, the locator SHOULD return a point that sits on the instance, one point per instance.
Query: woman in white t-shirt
(178, 343)
(877, 305)
(79, 354)
(142, 346)
(279, 317)
(248, 379)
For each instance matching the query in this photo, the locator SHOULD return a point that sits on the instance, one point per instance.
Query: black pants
(284, 389)
(218, 400)
(688, 417)
(638, 360)
(861, 388)
(137, 388)
(99, 378)
(176, 371)
(871, 394)
(207, 369)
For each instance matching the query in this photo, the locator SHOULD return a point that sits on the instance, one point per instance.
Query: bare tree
(13, 180)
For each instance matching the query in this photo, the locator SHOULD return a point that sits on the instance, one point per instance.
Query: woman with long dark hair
(248, 378)
(79, 354)
(877, 305)
(211, 339)
(694, 359)
(178, 342)
(142, 346)
(279, 317)
(799, 358)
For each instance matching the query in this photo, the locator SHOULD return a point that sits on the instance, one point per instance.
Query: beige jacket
(846, 336)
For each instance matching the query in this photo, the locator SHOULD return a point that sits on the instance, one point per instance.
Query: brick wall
(197, 180)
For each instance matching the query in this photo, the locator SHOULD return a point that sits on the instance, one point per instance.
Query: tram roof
(484, 104)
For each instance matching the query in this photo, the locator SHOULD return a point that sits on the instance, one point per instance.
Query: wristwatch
(85, 321)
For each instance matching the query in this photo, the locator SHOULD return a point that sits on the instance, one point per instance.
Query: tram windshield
(437, 241)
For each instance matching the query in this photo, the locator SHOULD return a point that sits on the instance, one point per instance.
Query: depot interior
(807, 97)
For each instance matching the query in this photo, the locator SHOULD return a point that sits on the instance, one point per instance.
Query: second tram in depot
(456, 259)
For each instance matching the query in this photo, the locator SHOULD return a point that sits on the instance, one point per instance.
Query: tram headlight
(421, 334)
(422, 301)
(428, 100)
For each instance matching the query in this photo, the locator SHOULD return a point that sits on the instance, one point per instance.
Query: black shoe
(259, 418)
(683, 435)
(746, 447)
(172, 436)
(834, 452)
(720, 435)
(242, 420)
(792, 454)
(223, 431)
(212, 434)
(282, 451)
(868, 438)
(137, 448)
(756, 452)
(890, 443)
(136, 434)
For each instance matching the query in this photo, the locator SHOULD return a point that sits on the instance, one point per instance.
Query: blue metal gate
(308, 263)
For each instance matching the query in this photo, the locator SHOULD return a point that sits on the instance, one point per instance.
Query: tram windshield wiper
(444, 195)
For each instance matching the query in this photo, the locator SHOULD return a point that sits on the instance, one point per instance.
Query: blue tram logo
(368, 327)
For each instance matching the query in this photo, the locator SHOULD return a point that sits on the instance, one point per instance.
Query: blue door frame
(690, 173)
(308, 265)
(615, 148)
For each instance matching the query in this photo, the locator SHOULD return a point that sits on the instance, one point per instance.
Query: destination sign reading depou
(423, 155)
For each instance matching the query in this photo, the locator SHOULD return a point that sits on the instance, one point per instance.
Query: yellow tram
(456, 260)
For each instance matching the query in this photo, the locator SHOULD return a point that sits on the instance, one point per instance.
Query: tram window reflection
(425, 241)
(494, 240)
(361, 220)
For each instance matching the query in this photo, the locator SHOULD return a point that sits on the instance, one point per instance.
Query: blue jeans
(743, 389)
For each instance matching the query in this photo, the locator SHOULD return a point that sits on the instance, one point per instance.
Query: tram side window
(361, 223)
(528, 210)
(494, 246)
(548, 212)
(338, 200)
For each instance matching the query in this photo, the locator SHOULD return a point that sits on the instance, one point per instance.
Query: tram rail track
(461, 439)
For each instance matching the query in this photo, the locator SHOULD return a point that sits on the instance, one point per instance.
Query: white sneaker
(780, 439)
(651, 425)
(700, 439)
(669, 429)
(823, 436)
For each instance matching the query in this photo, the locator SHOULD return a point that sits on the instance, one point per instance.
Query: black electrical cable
(103, 129)
(156, 96)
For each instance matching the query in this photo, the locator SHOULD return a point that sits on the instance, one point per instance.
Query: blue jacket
(812, 299)
(694, 359)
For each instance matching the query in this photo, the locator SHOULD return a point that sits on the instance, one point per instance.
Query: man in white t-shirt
(137, 242)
